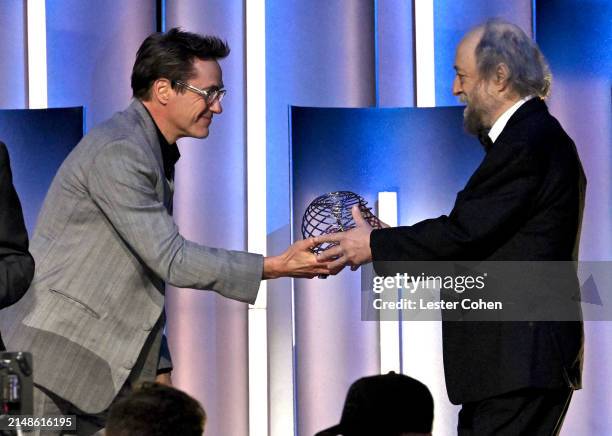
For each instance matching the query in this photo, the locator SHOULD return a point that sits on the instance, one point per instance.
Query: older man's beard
(475, 114)
(473, 122)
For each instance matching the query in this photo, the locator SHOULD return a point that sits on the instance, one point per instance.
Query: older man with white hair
(523, 203)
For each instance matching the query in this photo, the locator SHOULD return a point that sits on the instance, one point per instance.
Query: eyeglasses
(210, 94)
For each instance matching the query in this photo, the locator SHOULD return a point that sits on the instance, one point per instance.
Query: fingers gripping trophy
(331, 213)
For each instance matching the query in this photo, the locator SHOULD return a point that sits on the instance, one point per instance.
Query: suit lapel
(145, 121)
(150, 131)
(498, 153)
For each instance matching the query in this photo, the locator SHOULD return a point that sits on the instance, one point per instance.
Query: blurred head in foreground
(385, 405)
(156, 410)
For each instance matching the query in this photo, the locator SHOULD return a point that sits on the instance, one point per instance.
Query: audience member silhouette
(385, 405)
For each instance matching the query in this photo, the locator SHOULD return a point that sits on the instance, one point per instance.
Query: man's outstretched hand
(297, 261)
(353, 247)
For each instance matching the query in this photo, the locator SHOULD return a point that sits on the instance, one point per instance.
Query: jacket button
(128, 364)
(147, 327)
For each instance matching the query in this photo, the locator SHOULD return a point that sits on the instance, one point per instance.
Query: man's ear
(502, 77)
(161, 91)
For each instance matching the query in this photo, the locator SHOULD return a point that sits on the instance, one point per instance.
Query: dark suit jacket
(16, 264)
(524, 202)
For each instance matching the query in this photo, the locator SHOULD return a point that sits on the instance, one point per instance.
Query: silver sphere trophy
(331, 213)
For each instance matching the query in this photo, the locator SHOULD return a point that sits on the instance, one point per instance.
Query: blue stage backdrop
(38, 141)
(575, 36)
(420, 153)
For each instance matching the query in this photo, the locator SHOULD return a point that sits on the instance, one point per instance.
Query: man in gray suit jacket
(106, 243)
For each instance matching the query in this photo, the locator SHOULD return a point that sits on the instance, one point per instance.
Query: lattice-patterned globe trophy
(331, 213)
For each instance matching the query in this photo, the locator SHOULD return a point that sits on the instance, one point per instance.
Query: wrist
(271, 268)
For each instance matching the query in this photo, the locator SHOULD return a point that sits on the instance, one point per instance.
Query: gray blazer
(104, 245)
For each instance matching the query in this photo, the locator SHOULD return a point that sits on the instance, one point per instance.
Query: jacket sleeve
(122, 183)
(494, 204)
(16, 263)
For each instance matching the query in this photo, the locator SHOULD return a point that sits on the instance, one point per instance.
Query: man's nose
(216, 107)
(456, 86)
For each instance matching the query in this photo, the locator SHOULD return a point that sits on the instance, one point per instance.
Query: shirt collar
(501, 122)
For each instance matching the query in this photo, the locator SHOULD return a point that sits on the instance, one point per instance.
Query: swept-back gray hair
(506, 43)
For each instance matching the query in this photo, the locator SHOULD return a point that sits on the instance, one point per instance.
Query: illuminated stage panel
(13, 49)
(423, 155)
(575, 36)
(38, 141)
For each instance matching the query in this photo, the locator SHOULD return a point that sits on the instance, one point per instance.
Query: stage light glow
(256, 209)
(258, 372)
(37, 54)
(389, 330)
(424, 51)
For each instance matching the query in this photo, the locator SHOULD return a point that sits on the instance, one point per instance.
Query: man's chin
(200, 134)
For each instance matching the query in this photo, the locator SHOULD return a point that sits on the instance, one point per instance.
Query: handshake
(336, 228)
